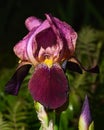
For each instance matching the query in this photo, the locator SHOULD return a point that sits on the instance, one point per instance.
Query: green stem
(49, 119)
(42, 116)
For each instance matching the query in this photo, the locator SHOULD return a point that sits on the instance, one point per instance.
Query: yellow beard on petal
(48, 62)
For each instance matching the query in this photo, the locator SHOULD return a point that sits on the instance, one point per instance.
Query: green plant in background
(4, 125)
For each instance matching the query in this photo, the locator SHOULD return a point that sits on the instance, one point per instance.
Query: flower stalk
(46, 124)
(47, 119)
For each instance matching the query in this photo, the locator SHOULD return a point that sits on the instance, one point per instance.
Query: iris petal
(74, 63)
(46, 38)
(94, 69)
(71, 66)
(49, 86)
(32, 22)
(13, 85)
(66, 32)
(20, 49)
(74, 67)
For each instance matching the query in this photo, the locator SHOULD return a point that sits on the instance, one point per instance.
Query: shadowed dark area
(13, 85)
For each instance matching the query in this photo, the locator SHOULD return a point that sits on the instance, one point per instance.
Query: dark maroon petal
(94, 69)
(78, 66)
(49, 86)
(71, 66)
(74, 67)
(13, 85)
(46, 38)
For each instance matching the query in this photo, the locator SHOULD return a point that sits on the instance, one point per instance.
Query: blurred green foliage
(86, 17)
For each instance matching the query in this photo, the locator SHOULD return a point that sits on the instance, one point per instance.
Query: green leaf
(91, 127)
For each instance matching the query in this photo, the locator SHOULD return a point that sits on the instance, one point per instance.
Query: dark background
(14, 12)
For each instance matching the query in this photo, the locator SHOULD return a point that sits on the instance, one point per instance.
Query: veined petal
(49, 86)
(13, 85)
(68, 32)
(46, 38)
(65, 33)
(31, 50)
(50, 19)
(44, 25)
(26, 48)
(32, 22)
(20, 49)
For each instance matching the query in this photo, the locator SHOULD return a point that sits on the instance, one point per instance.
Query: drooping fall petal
(71, 66)
(13, 85)
(94, 69)
(75, 65)
(49, 86)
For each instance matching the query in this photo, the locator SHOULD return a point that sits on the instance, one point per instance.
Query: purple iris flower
(49, 47)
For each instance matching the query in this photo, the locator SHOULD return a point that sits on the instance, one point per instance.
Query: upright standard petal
(32, 22)
(66, 37)
(20, 49)
(67, 32)
(49, 86)
(13, 85)
(46, 38)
